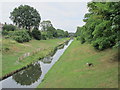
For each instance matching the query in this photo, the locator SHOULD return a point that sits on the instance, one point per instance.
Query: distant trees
(25, 17)
(46, 26)
(102, 25)
(27, 20)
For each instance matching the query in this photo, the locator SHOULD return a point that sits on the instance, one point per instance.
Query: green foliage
(4, 32)
(102, 25)
(51, 32)
(66, 34)
(60, 33)
(43, 37)
(21, 36)
(45, 25)
(77, 32)
(25, 17)
(82, 40)
(9, 27)
(36, 34)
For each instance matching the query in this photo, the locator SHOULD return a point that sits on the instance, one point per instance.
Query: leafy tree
(51, 32)
(102, 25)
(66, 33)
(60, 33)
(45, 25)
(25, 17)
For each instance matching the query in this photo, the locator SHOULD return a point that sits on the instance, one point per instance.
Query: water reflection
(29, 75)
(66, 43)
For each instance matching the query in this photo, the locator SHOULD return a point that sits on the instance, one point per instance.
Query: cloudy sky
(63, 15)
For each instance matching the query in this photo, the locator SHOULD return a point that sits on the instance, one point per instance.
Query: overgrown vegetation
(102, 25)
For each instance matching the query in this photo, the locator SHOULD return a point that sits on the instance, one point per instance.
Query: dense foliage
(25, 17)
(8, 27)
(21, 36)
(51, 32)
(36, 34)
(102, 26)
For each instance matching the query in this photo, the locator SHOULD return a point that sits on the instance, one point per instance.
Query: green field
(11, 50)
(71, 71)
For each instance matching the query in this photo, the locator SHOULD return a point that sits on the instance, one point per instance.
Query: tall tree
(25, 17)
(45, 25)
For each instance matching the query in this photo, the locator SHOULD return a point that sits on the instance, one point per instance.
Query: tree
(102, 25)
(25, 17)
(48, 27)
(45, 25)
(60, 33)
(66, 33)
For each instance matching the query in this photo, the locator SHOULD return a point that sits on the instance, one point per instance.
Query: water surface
(31, 77)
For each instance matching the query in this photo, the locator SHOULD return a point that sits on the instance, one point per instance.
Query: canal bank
(35, 73)
(71, 71)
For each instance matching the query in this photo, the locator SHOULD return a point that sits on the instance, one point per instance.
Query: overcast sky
(63, 15)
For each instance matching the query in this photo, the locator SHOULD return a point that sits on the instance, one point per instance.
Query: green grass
(71, 71)
(10, 58)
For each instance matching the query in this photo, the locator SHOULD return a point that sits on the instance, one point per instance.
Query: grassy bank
(12, 50)
(71, 71)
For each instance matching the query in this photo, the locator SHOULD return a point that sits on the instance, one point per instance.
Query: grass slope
(71, 71)
(10, 57)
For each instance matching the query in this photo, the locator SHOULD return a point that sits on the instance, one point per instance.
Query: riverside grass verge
(11, 50)
(70, 71)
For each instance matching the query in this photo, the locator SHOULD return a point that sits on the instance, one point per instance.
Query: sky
(63, 15)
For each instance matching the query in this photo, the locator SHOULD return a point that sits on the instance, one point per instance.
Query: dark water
(33, 76)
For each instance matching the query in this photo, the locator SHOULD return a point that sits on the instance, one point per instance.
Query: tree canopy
(25, 17)
(102, 25)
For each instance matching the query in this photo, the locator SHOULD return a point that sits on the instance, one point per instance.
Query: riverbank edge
(51, 53)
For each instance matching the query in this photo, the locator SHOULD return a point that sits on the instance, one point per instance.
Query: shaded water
(31, 77)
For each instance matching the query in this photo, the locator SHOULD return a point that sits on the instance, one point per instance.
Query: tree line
(102, 25)
(26, 21)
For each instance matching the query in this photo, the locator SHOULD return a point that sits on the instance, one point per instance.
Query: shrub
(82, 40)
(4, 32)
(36, 34)
(9, 27)
(101, 43)
(78, 38)
(43, 37)
(21, 36)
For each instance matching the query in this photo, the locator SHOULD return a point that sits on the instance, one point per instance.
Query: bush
(82, 40)
(78, 38)
(4, 32)
(101, 43)
(21, 36)
(9, 27)
(43, 37)
(36, 34)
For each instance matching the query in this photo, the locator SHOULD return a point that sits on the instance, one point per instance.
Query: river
(32, 76)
